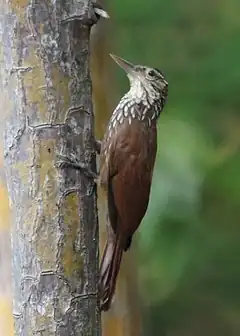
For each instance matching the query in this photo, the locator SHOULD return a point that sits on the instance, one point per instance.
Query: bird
(127, 159)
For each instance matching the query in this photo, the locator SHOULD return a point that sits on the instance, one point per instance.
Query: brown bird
(127, 161)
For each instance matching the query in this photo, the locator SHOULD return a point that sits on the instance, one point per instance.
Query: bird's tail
(109, 270)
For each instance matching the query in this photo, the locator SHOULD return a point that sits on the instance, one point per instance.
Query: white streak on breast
(119, 116)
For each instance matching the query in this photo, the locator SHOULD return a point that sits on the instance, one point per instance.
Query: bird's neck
(147, 102)
(142, 94)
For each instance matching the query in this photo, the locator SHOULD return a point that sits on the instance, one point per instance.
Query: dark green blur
(189, 243)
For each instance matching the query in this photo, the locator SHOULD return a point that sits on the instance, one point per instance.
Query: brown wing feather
(126, 174)
(131, 200)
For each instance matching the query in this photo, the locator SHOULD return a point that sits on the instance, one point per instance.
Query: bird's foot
(73, 162)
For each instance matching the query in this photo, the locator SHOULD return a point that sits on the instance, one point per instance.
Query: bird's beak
(125, 65)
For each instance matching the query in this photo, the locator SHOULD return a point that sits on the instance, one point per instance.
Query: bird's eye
(151, 73)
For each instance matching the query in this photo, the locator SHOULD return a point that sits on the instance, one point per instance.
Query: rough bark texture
(48, 110)
(123, 319)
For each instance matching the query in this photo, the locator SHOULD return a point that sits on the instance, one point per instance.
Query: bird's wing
(127, 174)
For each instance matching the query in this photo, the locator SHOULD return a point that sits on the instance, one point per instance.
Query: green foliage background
(189, 244)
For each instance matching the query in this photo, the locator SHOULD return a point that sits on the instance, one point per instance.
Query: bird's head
(145, 82)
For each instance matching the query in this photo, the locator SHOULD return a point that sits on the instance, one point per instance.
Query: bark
(6, 322)
(124, 315)
(48, 110)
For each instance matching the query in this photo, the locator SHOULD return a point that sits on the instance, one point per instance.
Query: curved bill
(125, 65)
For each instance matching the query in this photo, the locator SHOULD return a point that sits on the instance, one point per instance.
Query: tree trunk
(123, 319)
(48, 110)
(6, 323)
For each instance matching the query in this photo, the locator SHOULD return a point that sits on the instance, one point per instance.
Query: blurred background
(182, 277)
(188, 254)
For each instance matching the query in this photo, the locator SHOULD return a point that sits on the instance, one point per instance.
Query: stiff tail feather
(109, 270)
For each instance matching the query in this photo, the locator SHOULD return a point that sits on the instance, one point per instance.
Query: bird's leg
(73, 162)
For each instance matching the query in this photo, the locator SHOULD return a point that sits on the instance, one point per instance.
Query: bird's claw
(66, 162)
